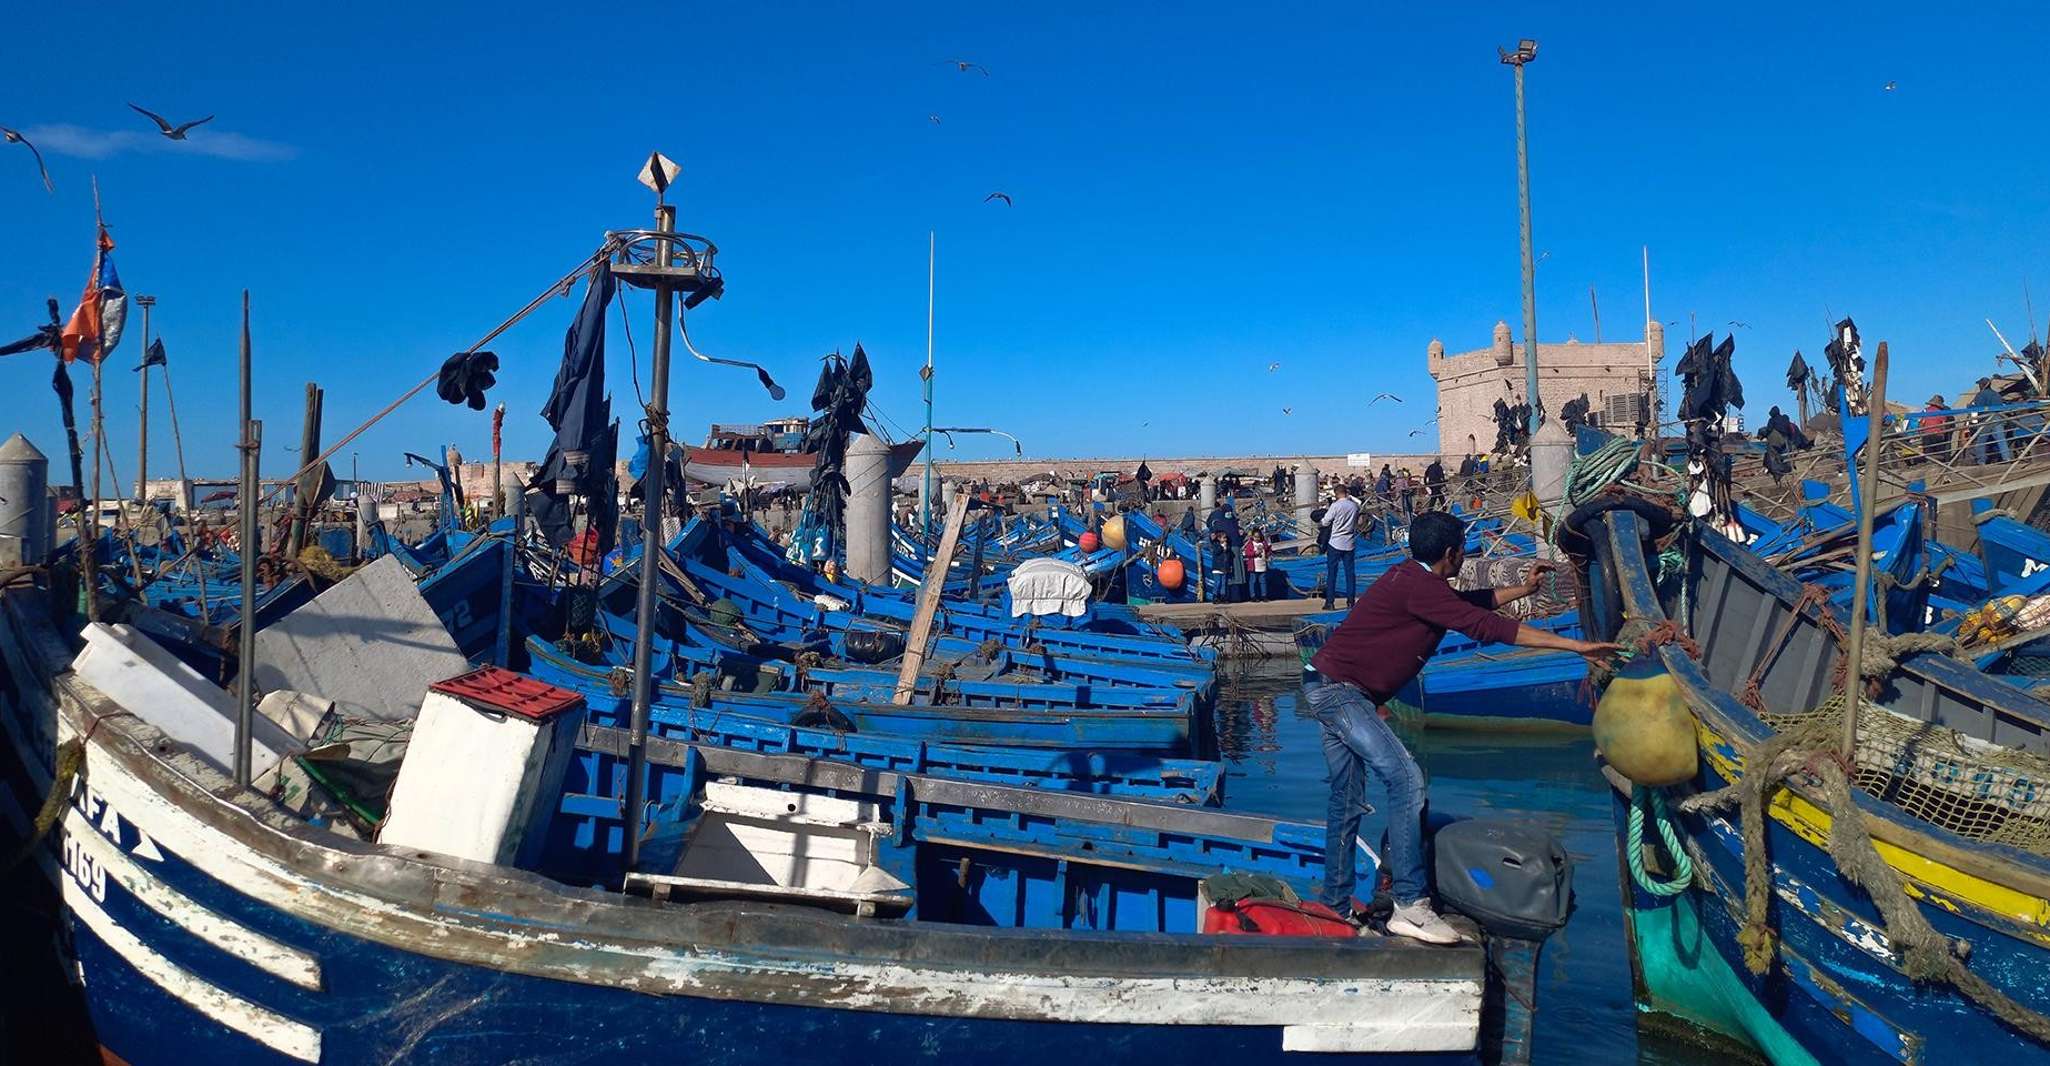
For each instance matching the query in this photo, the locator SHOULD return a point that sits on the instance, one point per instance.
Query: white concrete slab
(371, 644)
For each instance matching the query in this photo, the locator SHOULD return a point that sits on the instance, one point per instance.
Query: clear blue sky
(1198, 193)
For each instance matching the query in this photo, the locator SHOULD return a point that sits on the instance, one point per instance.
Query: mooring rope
(1647, 801)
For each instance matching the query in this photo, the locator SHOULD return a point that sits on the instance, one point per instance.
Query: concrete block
(371, 644)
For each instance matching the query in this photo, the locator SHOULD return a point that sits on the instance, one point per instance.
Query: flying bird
(1004, 196)
(15, 137)
(966, 65)
(1891, 86)
(1378, 397)
(1288, 410)
(1272, 367)
(934, 119)
(1740, 325)
(176, 133)
(1415, 432)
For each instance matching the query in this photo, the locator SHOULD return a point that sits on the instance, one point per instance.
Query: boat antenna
(775, 391)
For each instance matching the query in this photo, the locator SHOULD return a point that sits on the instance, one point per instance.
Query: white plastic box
(484, 767)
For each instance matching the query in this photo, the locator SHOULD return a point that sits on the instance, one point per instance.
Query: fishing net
(1977, 790)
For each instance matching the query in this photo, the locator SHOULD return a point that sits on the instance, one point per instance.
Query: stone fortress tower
(1614, 375)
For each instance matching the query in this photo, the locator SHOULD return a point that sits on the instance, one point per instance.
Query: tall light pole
(1526, 50)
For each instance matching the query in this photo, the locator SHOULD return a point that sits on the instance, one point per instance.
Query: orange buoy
(1087, 542)
(1170, 574)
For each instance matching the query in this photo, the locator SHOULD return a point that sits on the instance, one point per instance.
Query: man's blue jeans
(1333, 559)
(1357, 741)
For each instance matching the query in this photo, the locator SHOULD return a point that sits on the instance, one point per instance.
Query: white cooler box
(484, 767)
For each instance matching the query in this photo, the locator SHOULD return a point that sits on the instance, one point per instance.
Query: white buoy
(868, 509)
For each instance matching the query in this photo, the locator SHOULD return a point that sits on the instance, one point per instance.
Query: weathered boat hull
(1834, 990)
(716, 466)
(213, 928)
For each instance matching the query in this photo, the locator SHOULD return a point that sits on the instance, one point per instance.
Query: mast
(142, 443)
(651, 538)
(1854, 646)
(932, 248)
(1651, 365)
(246, 503)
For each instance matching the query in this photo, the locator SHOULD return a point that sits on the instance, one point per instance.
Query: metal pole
(1651, 366)
(1854, 682)
(651, 546)
(932, 250)
(1530, 353)
(245, 655)
(142, 445)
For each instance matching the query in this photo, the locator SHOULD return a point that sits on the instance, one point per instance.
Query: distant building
(1614, 376)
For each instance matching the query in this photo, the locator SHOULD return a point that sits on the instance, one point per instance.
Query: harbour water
(1275, 764)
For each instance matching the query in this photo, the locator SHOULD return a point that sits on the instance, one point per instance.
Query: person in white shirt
(1343, 518)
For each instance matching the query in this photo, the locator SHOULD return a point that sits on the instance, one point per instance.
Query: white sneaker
(1418, 921)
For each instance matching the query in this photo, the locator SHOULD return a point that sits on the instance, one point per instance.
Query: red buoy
(1087, 543)
(1170, 574)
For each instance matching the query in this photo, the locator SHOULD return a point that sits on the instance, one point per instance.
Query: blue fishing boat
(1917, 931)
(988, 921)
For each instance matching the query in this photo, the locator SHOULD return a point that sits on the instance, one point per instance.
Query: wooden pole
(1854, 682)
(89, 543)
(142, 438)
(245, 656)
(930, 592)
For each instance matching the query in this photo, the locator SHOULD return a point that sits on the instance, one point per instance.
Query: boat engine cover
(874, 646)
(1515, 879)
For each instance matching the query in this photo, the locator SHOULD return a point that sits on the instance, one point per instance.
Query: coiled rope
(1652, 802)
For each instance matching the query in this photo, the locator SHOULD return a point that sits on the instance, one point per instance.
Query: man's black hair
(1341, 488)
(1434, 533)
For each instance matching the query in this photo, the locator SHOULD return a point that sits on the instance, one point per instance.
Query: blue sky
(1200, 190)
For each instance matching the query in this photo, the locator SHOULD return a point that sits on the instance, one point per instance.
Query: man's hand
(1597, 652)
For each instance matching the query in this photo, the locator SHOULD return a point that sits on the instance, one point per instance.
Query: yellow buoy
(1642, 726)
(1114, 533)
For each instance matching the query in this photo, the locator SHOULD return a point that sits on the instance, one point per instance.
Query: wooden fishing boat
(1947, 784)
(999, 924)
(769, 455)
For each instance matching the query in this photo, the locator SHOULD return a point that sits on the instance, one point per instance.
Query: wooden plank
(929, 595)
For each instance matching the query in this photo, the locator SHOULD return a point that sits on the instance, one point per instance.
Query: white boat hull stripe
(279, 960)
(266, 1027)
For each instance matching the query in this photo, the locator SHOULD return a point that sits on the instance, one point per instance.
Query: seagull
(1415, 432)
(934, 119)
(176, 133)
(1891, 86)
(966, 65)
(1288, 410)
(1740, 325)
(1272, 367)
(1378, 397)
(1004, 196)
(15, 137)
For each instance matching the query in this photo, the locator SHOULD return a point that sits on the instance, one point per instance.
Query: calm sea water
(1275, 765)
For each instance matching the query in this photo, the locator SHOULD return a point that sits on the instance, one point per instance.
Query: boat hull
(715, 466)
(1834, 990)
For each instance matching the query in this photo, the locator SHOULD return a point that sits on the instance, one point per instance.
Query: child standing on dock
(1258, 552)
(1381, 646)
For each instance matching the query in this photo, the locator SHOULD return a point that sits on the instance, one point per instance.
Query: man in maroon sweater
(1382, 644)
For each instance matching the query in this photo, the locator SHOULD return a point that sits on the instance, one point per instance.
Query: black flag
(155, 355)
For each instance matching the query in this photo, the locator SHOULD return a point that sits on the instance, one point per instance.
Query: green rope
(1597, 470)
(1644, 799)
